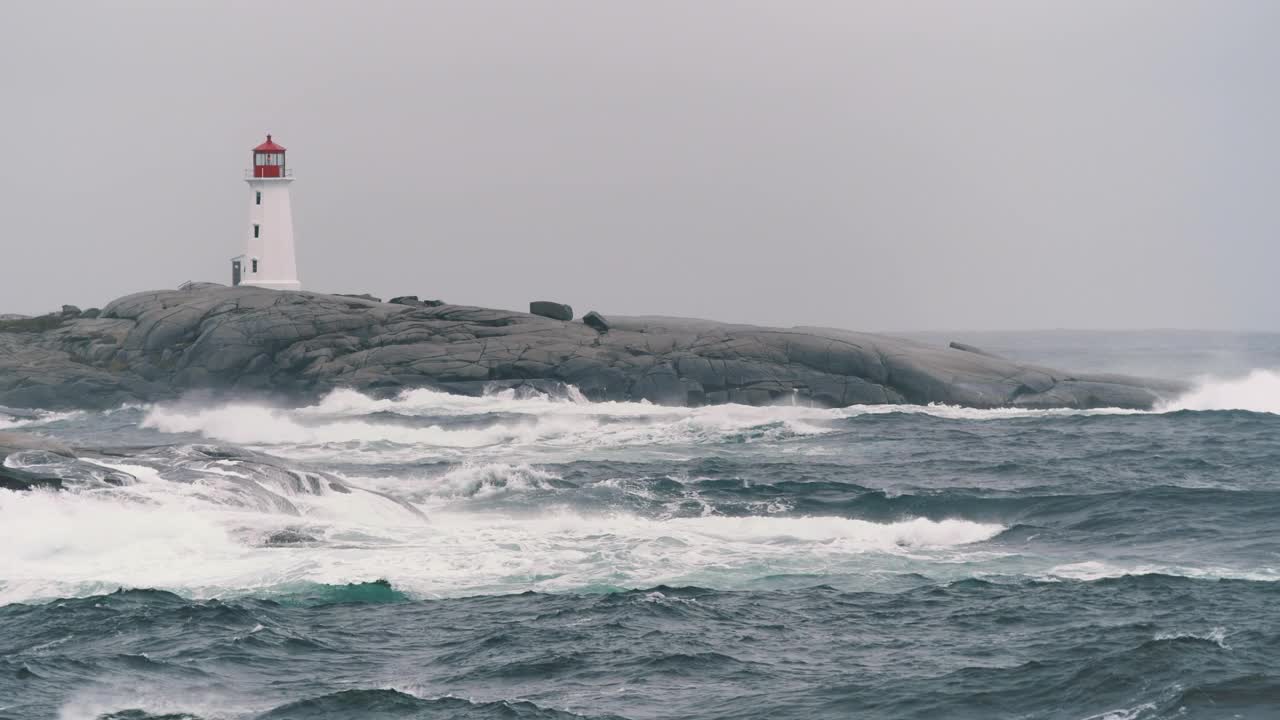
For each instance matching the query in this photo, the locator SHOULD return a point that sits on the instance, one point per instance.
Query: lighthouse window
(257, 198)
(255, 264)
(255, 233)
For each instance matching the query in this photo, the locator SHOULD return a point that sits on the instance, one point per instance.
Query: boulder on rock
(413, 301)
(549, 309)
(595, 321)
(70, 311)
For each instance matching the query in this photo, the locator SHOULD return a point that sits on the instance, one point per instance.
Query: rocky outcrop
(553, 310)
(246, 340)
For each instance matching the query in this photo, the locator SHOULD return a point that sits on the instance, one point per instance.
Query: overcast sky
(870, 165)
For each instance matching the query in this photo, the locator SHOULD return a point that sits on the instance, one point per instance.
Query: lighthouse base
(274, 285)
(244, 271)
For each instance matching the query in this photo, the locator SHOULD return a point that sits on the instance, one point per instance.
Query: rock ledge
(298, 345)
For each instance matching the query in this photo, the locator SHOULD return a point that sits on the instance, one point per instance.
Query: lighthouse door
(235, 273)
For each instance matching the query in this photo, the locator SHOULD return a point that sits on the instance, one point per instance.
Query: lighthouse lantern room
(268, 259)
(268, 160)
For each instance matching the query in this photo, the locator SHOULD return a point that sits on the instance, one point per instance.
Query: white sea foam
(64, 544)
(1217, 636)
(479, 480)
(347, 423)
(342, 419)
(1132, 713)
(35, 418)
(1096, 570)
(181, 536)
(1259, 391)
(155, 696)
(432, 403)
(247, 424)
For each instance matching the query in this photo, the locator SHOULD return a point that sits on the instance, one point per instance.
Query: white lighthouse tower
(268, 260)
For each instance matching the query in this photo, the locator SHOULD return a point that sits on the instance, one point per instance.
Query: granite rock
(296, 346)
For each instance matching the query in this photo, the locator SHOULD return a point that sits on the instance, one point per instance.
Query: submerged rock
(289, 536)
(30, 476)
(253, 341)
(12, 479)
(29, 461)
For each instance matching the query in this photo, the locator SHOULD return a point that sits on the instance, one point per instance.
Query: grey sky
(872, 165)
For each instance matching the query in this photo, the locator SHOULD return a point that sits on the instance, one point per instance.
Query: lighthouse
(268, 260)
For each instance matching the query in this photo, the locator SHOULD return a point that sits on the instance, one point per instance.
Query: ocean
(526, 556)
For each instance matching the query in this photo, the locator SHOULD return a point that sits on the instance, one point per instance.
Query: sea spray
(1258, 391)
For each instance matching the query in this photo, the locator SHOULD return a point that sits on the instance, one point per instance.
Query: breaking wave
(15, 418)
(443, 425)
(1259, 391)
(65, 545)
(429, 421)
(364, 556)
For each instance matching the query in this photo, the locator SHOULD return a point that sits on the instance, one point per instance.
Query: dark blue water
(504, 557)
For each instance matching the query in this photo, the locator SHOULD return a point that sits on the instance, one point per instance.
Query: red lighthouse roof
(269, 146)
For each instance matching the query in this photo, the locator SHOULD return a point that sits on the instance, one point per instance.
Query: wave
(248, 424)
(68, 544)
(422, 402)
(1092, 570)
(505, 423)
(375, 592)
(341, 705)
(11, 418)
(521, 418)
(437, 424)
(490, 479)
(1259, 391)
(391, 703)
(1130, 713)
(1217, 636)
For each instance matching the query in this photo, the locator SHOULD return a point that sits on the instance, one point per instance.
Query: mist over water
(521, 555)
